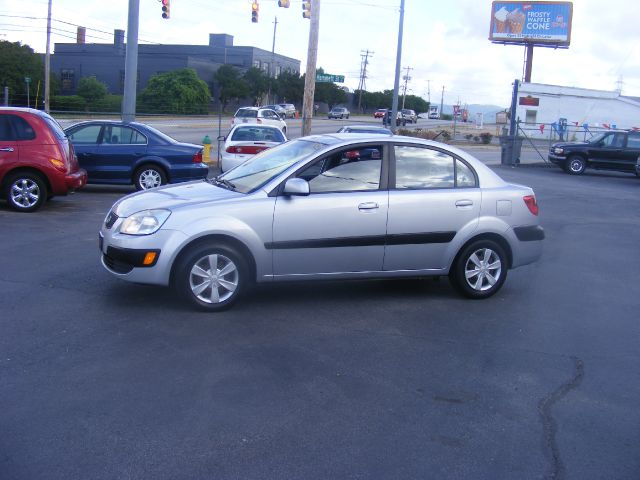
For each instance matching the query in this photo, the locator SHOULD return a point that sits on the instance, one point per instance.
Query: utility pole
(442, 102)
(310, 76)
(272, 70)
(363, 75)
(429, 91)
(131, 63)
(406, 80)
(47, 63)
(396, 83)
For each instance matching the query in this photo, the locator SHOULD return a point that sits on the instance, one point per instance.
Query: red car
(379, 113)
(37, 161)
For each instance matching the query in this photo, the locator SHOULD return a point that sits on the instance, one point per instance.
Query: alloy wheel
(214, 278)
(483, 269)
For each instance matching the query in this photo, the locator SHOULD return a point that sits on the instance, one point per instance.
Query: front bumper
(557, 159)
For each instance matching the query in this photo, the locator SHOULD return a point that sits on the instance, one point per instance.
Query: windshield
(257, 134)
(246, 113)
(164, 136)
(268, 164)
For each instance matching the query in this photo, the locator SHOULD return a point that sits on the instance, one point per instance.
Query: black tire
(284, 130)
(575, 165)
(25, 192)
(488, 259)
(149, 176)
(218, 291)
(347, 117)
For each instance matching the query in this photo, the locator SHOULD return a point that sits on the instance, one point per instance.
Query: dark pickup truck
(607, 151)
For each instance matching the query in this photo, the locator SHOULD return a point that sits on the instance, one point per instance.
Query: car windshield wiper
(224, 182)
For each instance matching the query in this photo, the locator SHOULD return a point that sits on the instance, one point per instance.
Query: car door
(433, 196)
(118, 153)
(339, 228)
(632, 151)
(85, 140)
(608, 154)
(9, 150)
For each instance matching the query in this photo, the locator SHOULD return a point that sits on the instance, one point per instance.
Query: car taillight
(197, 158)
(58, 164)
(245, 149)
(531, 203)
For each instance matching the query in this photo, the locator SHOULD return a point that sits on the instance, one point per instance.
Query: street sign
(325, 77)
(27, 79)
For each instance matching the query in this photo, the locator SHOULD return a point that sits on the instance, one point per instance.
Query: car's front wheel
(25, 192)
(212, 277)
(575, 165)
(149, 176)
(480, 270)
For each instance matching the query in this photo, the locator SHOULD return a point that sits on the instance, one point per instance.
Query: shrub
(469, 136)
(68, 103)
(108, 104)
(486, 137)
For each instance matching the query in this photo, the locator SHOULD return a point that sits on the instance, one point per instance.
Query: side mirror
(296, 186)
(222, 138)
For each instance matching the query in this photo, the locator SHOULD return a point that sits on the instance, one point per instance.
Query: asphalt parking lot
(360, 380)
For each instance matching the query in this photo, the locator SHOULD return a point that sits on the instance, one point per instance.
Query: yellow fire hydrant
(206, 154)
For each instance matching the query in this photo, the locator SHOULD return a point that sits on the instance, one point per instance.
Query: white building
(540, 104)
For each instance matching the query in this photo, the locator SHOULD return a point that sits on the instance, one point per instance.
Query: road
(404, 379)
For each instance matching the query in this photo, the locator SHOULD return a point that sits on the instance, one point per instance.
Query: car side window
(419, 168)
(119, 135)
(23, 130)
(633, 140)
(86, 135)
(465, 177)
(5, 128)
(618, 140)
(348, 170)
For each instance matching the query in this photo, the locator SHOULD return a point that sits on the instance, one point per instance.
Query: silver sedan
(327, 207)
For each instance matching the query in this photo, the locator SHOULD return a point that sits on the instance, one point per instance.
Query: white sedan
(245, 140)
(260, 115)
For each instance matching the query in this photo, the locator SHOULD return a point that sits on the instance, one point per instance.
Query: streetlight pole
(310, 76)
(47, 63)
(396, 84)
(131, 63)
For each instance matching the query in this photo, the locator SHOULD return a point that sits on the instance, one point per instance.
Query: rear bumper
(76, 180)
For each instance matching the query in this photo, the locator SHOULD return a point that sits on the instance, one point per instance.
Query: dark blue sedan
(134, 153)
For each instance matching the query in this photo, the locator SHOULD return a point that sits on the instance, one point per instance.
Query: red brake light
(245, 149)
(197, 158)
(530, 200)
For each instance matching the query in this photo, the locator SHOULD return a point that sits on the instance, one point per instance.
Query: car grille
(117, 266)
(110, 220)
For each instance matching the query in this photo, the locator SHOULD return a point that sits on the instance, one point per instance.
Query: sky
(445, 42)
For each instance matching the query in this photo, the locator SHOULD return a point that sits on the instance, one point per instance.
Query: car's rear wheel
(212, 277)
(576, 165)
(149, 176)
(25, 192)
(480, 269)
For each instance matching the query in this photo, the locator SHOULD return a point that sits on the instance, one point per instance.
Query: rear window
(257, 134)
(246, 113)
(55, 126)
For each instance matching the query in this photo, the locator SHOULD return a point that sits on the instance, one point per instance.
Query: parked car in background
(379, 113)
(282, 113)
(365, 129)
(290, 109)
(616, 151)
(36, 159)
(338, 112)
(263, 116)
(409, 115)
(327, 207)
(122, 153)
(400, 120)
(245, 140)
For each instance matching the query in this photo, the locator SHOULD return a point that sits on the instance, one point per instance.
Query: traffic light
(306, 9)
(254, 12)
(284, 3)
(166, 9)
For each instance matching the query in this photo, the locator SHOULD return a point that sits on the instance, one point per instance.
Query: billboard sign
(539, 23)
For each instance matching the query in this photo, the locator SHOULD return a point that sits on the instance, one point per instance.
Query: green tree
(290, 87)
(92, 90)
(230, 84)
(258, 83)
(180, 92)
(329, 93)
(19, 61)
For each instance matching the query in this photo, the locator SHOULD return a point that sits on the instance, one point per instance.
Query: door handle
(368, 206)
(464, 203)
(6, 149)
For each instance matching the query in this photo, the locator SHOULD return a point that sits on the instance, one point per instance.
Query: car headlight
(558, 151)
(145, 222)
